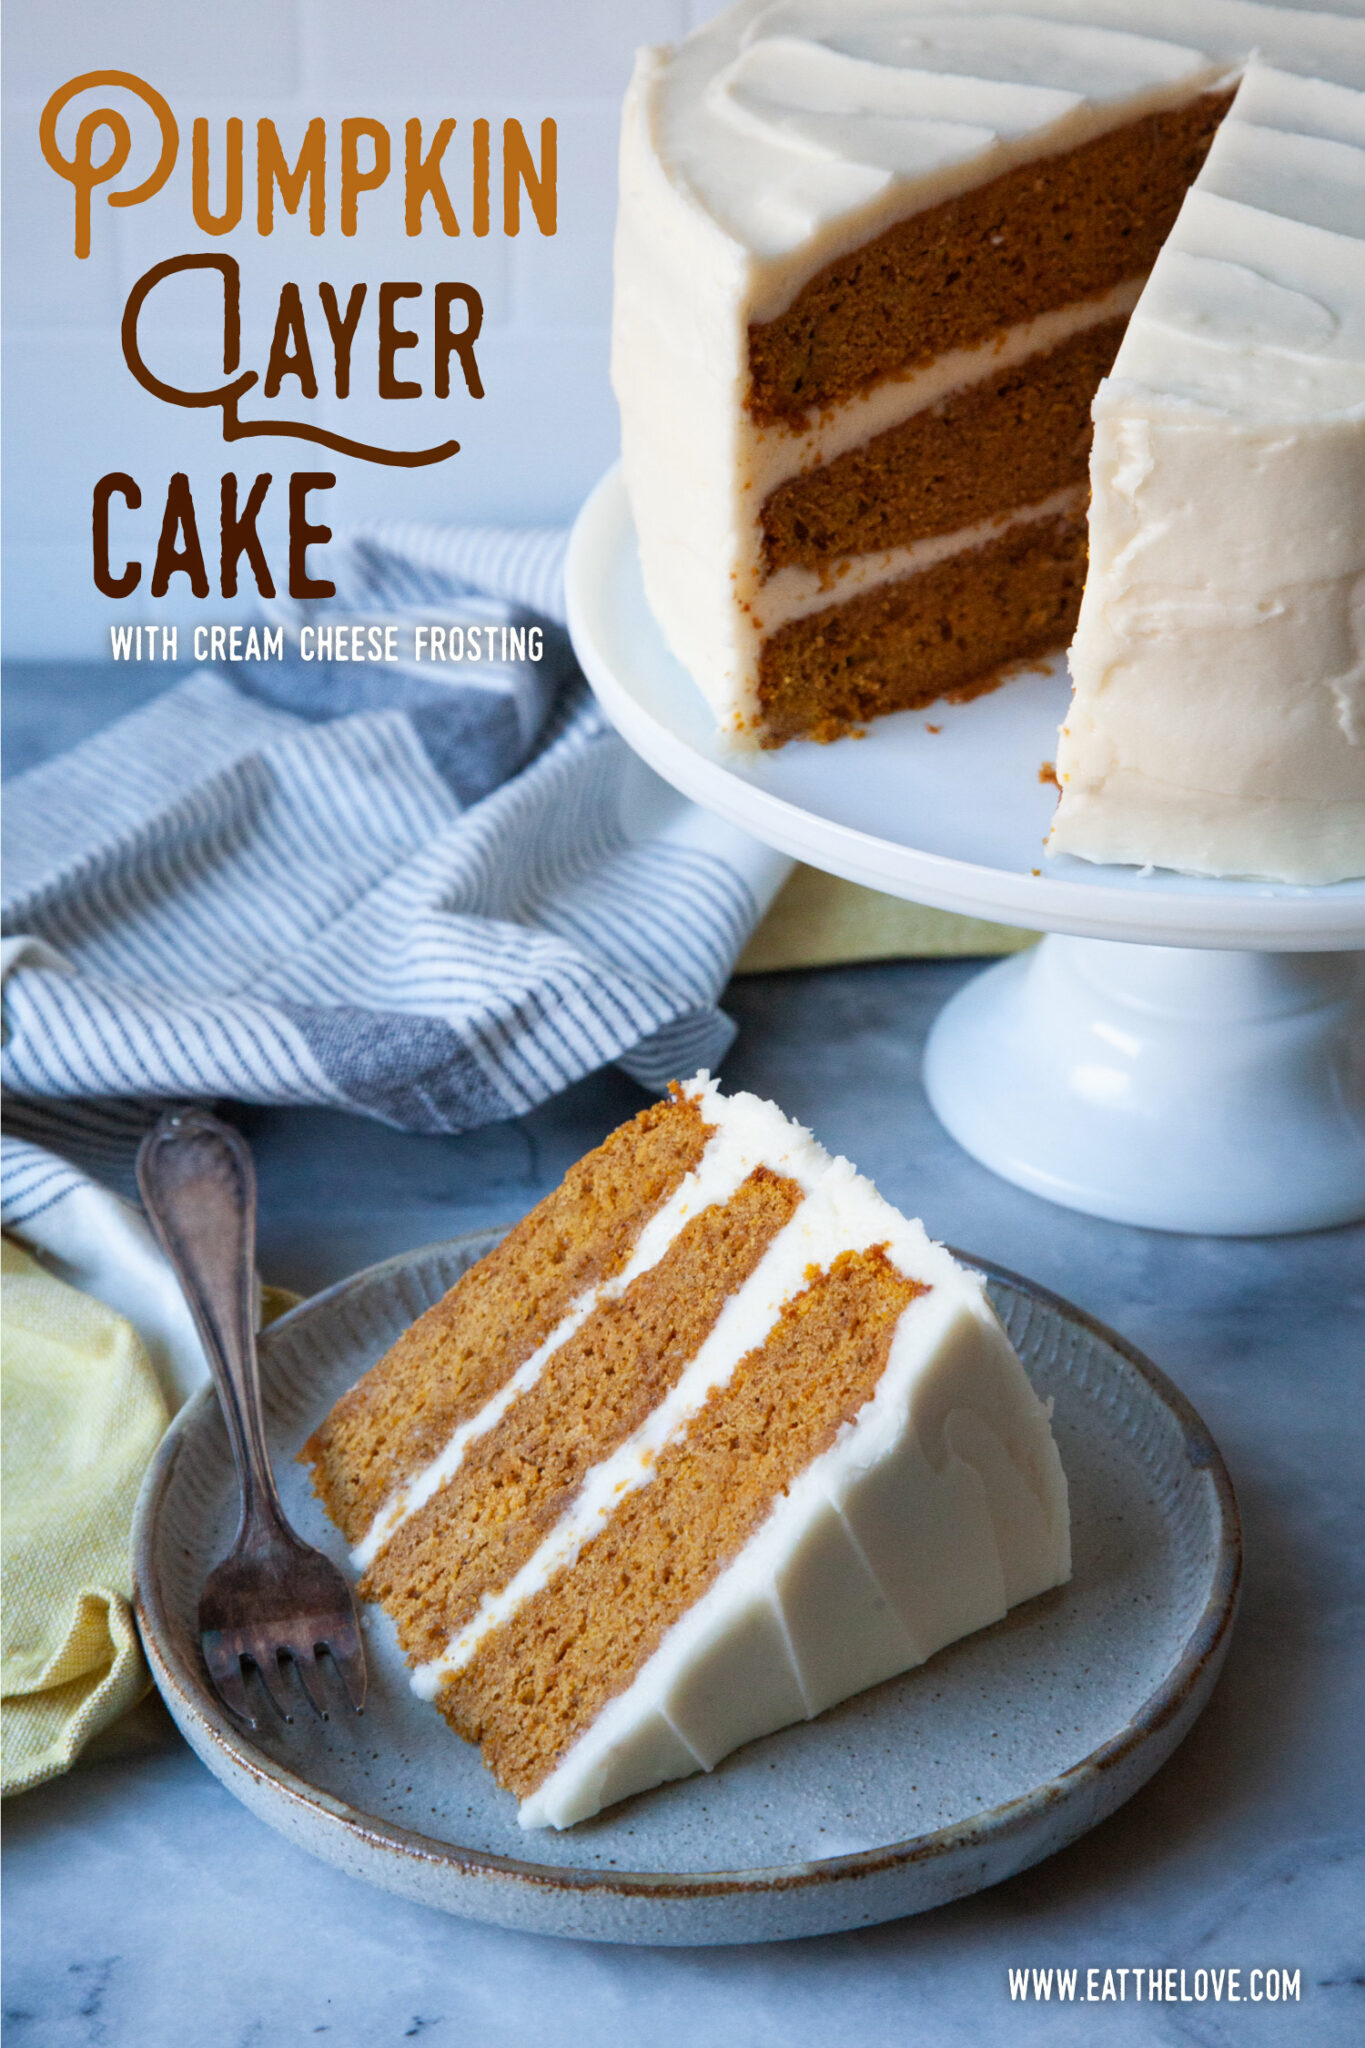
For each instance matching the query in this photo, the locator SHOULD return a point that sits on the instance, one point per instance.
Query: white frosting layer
(803, 127)
(1218, 723)
(799, 128)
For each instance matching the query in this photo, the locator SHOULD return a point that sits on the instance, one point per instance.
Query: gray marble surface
(144, 1906)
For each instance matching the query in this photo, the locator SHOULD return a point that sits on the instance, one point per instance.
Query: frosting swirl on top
(784, 119)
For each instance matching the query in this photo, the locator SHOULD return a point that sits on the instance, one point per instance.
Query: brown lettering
(392, 338)
(342, 327)
(449, 343)
(179, 519)
(124, 584)
(302, 536)
(354, 181)
(239, 537)
(422, 178)
(518, 168)
(310, 170)
(284, 360)
(216, 223)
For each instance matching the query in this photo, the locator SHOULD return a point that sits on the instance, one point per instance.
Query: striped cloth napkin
(434, 893)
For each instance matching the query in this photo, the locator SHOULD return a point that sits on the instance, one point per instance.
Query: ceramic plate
(943, 806)
(995, 1753)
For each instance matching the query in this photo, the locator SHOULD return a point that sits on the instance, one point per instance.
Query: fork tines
(226, 1650)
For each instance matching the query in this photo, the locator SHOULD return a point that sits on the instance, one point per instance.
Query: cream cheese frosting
(940, 1507)
(799, 128)
(1218, 722)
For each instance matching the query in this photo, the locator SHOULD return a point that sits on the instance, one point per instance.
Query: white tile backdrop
(530, 449)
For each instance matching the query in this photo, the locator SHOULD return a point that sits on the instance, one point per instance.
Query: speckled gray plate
(1000, 1750)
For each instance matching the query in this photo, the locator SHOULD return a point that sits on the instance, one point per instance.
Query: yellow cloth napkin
(820, 921)
(83, 1413)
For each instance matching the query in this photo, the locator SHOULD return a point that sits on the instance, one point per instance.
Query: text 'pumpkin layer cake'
(714, 1439)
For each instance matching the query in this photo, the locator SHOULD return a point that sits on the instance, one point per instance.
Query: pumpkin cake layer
(1011, 439)
(950, 631)
(1060, 229)
(773, 1412)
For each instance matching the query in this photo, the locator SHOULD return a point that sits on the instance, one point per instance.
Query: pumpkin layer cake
(874, 261)
(714, 1439)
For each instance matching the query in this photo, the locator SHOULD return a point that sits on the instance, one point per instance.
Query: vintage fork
(273, 1597)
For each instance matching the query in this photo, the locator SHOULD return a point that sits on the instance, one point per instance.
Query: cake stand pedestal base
(1217, 1092)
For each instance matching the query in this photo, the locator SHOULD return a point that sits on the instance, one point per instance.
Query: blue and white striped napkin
(433, 894)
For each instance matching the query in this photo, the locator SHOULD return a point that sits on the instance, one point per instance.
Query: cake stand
(1180, 1053)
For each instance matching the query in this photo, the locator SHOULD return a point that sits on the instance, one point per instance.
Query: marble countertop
(143, 1905)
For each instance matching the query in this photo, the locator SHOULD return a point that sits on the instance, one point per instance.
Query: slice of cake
(713, 1439)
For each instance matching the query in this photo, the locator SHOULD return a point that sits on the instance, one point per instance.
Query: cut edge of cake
(701, 297)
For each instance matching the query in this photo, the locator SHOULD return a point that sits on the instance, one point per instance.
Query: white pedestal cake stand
(1184, 1054)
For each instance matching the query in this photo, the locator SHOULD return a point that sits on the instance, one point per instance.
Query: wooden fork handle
(199, 1188)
